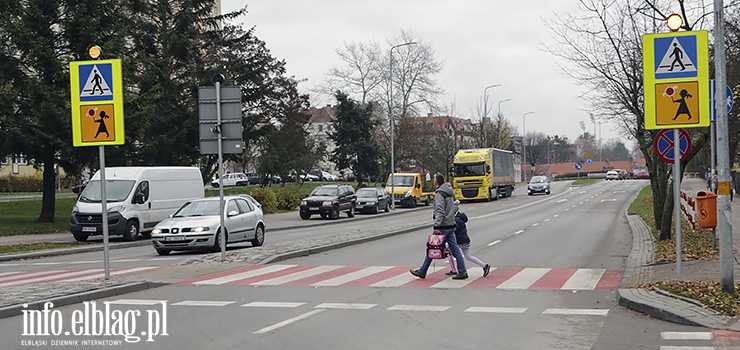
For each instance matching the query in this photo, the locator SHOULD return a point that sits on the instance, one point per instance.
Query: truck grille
(89, 218)
(470, 192)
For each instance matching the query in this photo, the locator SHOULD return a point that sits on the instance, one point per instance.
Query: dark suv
(328, 201)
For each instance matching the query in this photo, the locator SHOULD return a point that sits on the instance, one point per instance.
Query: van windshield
(115, 191)
(402, 180)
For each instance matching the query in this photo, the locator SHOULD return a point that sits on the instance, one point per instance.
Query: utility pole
(485, 114)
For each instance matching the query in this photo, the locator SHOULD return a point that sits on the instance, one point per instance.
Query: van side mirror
(139, 198)
(418, 185)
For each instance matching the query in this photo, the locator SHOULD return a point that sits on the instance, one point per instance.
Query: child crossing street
(463, 240)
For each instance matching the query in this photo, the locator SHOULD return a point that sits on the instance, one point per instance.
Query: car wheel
(80, 237)
(376, 209)
(351, 212)
(334, 213)
(214, 185)
(163, 251)
(217, 242)
(132, 231)
(259, 237)
(426, 202)
(306, 216)
(387, 207)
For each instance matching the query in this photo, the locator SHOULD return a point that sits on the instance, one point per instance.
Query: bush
(17, 183)
(287, 199)
(267, 198)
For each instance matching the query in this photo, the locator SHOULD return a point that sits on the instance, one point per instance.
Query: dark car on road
(373, 200)
(538, 184)
(329, 201)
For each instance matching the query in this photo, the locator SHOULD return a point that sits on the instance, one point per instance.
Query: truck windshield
(115, 191)
(472, 169)
(399, 180)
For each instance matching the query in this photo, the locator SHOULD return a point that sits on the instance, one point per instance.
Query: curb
(17, 309)
(665, 308)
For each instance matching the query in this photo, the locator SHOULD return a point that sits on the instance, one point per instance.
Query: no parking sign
(664, 145)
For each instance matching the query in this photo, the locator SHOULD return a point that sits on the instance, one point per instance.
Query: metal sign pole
(677, 198)
(104, 210)
(222, 232)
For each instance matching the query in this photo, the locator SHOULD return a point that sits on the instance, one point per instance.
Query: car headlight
(327, 204)
(117, 208)
(200, 229)
(370, 202)
(156, 231)
(407, 194)
(75, 209)
(304, 203)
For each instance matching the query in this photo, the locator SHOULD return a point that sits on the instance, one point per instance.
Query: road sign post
(96, 89)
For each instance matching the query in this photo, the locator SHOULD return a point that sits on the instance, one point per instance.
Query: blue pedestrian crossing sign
(96, 81)
(675, 57)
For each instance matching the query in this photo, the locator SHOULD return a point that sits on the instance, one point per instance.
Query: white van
(137, 197)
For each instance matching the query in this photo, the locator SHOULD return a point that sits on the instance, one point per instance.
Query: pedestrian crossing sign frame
(97, 87)
(672, 62)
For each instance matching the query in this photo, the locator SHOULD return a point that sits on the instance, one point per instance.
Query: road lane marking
(48, 263)
(687, 348)
(272, 304)
(244, 275)
(576, 312)
(125, 260)
(548, 219)
(608, 200)
(524, 279)
(497, 310)
(433, 308)
(686, 335)
(163, 259)
(535, 224)
(556, 215)
(494, 243)
(345, 306)
(518, 232)
(287, 322)
(203, 303)
(584, 279)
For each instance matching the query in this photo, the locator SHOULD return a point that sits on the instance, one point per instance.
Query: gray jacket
(444, 202)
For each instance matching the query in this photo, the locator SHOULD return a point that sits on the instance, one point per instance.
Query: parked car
(196, 225)
(329, 201)
(373, 199)
(538, 184)
(232, 179)
(642, 175)
(612, 175)
(254, 178)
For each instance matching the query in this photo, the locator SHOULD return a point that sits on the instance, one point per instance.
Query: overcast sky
(479, 42)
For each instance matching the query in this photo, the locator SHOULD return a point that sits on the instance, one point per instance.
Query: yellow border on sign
(117, 101)
(702, 78)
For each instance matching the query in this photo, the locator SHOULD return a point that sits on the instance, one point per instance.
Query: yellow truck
(483, 173)
(407, 189)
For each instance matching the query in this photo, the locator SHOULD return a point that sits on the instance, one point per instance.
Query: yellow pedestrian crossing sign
(676, 77)
(97, 103)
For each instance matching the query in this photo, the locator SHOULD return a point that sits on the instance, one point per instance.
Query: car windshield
(538, 180)
(475, 169)
(325, 191)
(200, 208)
(400, 180)
(366, 193)
(115, 191)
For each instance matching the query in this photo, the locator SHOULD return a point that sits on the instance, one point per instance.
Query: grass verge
(18, 248)
(697, 245)
(582, 182)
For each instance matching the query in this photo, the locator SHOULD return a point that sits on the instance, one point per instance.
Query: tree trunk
(666, 215)
(49, 189)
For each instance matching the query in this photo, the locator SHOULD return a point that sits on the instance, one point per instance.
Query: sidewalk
(663, 305)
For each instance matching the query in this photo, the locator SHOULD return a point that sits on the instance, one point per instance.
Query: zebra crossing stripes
(16, 278)
(508, 278)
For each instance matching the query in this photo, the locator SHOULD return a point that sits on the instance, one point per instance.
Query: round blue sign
(579, 166)
(589, 161)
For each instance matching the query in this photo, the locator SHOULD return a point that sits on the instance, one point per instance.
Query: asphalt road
(557, 262)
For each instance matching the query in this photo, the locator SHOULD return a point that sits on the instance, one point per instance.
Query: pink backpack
(436, 248)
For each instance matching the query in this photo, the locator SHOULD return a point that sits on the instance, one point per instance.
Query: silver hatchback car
(196, 225)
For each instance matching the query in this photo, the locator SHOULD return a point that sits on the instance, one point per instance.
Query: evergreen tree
(356, 148)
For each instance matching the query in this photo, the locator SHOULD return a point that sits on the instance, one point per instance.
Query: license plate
(174, 238)
(89, 229)
(313, 209)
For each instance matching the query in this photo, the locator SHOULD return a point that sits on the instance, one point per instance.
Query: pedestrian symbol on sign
(678, 57)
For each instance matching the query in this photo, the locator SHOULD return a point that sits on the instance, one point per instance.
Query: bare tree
(362, 72)
(604, 47)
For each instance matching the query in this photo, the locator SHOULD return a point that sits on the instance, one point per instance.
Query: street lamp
(524, 142)
(485, 113)
(390, 116)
